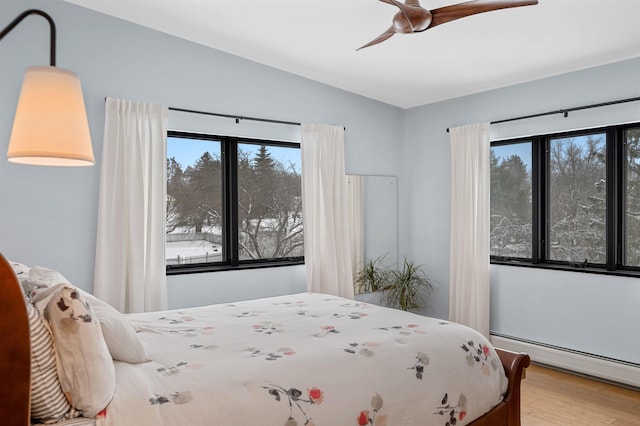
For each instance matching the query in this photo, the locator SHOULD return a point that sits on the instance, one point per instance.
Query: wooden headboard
(15, 350)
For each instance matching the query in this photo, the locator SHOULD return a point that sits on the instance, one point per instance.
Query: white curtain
(469, 265)
(355, 208)
(327, 249)
(130, 261)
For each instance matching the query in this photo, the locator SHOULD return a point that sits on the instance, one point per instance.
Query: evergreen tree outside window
(269, 202)
(195, 215)
(510, 223)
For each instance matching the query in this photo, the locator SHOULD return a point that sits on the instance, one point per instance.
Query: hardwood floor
(551, 397)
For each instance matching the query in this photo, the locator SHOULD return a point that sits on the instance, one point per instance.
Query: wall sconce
(50, 127)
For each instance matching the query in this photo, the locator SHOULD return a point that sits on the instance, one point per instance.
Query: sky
(522, 150)
(187, 152)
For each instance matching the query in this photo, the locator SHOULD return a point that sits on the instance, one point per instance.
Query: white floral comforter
(304, 359)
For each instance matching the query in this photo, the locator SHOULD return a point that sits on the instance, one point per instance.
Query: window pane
(269, 202)
(194, 225)
(632, 199)
(511, 200)
(577, 199)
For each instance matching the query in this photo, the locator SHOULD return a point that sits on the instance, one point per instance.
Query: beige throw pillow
(85, 367)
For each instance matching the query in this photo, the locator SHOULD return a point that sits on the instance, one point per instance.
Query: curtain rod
(235, 117)
(566, 111)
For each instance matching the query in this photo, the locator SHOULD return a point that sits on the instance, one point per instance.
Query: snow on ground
(193, 251)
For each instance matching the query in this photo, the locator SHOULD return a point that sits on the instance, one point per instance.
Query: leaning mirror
(373, 219)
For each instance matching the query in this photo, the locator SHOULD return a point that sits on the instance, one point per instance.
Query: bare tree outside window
(578, 199)
(632, 197)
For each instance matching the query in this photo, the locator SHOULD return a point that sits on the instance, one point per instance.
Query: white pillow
(119, 334)
(19, 269)
(85, 367)
(45, 276)
(37, 279)
(22, 272)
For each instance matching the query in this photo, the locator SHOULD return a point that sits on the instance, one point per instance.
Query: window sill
(635, 273)
(202, 268)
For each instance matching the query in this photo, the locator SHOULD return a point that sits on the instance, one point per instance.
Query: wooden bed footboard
(507, 413)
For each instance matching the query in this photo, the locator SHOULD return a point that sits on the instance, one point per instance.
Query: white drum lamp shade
(50, 126)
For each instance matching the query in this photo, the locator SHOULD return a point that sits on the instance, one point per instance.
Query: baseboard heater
(608, 369)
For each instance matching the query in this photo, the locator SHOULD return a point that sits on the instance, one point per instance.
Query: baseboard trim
(599, 367)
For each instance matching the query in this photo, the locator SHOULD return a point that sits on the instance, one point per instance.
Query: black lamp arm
(52, 25)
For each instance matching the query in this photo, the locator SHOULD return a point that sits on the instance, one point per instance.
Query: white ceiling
(318, 39)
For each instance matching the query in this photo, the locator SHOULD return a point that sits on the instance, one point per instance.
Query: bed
(304, 359)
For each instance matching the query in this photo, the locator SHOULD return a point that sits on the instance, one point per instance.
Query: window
(232, 202)
(631, 140)
(569, 200)
(577, 203)
(510, 221)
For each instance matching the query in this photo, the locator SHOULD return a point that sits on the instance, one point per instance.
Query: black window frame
(615, 205)
(229, 158)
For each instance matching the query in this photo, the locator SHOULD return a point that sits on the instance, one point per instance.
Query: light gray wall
(381, 219)
(48, 215)
(592, 313)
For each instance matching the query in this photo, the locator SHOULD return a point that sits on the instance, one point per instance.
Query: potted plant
(372, 277)
(401, 289)
(408, 287)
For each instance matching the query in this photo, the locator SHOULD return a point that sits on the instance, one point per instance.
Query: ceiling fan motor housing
(411, 19)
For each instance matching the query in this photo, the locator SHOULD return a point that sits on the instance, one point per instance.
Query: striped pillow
(48, 403)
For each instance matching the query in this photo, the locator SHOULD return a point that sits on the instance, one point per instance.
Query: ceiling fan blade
(382, 37)
(446, 14)
(407, 2)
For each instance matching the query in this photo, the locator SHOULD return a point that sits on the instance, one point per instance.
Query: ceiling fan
(413, 18)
